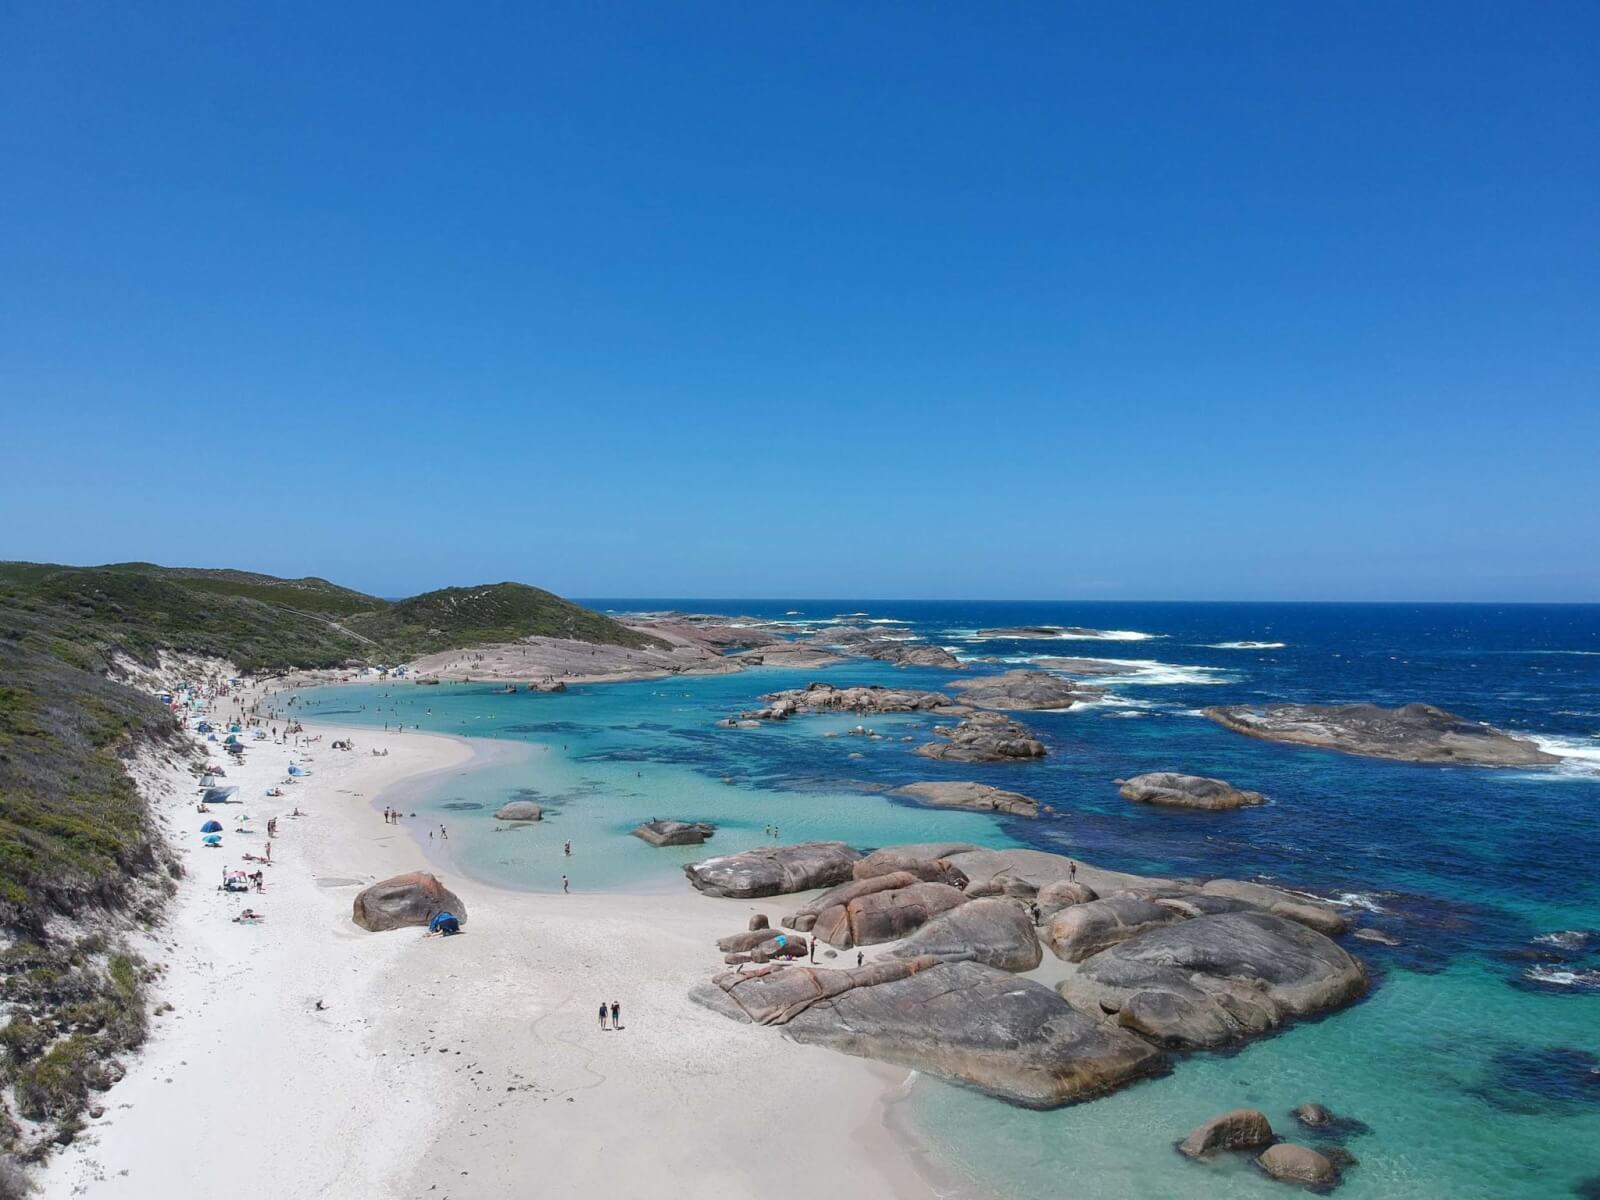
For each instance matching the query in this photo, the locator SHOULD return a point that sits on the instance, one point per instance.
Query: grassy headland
(78, 852)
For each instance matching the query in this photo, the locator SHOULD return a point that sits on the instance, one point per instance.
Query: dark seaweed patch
(1541, 1080)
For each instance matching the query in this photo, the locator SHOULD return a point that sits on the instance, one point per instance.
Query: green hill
(75, 834)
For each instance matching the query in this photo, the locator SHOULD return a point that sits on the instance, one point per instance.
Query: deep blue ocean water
(1475, 1061)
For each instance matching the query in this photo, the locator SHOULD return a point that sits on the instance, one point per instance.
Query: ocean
(1475, 1060)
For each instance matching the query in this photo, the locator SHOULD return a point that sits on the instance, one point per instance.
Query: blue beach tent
(212, 839)
(444, 923)
(211, 827)
(203, 727)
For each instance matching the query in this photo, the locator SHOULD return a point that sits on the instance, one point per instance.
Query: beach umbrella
(212, 839)
(234, 728)
(211, 827)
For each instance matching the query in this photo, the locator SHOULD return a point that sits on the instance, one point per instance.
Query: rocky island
(984, 737)
(1418, 733)
(1024, 690)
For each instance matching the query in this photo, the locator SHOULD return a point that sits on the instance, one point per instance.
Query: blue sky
(1005, 301)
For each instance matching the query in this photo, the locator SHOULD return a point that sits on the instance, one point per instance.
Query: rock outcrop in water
(1211, 980)
(982, 738)
(1171, 790)
(413, 899)
(962, 1022)
(1024, 690)
(774, 871)
(1417, 733)
(674, 833)
(1241, 1129)
(824, 697)
(1298, 1164)
(520, 810)
(1160, 963)
(978, 797)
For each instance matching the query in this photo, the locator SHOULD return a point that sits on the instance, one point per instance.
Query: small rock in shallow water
(1241, 1129)
(1298, 1164)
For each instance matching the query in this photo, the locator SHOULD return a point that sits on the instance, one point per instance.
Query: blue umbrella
(212, 839)
(211, 827)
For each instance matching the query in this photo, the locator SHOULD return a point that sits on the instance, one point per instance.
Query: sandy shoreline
(306, 1057)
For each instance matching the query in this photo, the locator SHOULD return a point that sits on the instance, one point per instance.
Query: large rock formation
(773, 871)
(1241, 1129)
(1211, 980)
(1081, 930)
(925, 860)
(1413, 733)
(1024, 689)
(1186, 791)
(1024, 872)
(995, 932)
(674, 833)
(979, 797)
(413, 899)
(885, 914)
(805, 918)
(984, 737)
(520, 810)
(962, 1022)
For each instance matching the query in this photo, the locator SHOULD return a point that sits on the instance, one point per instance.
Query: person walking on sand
(860, 958)
(616, 1015)
(602, 1014)
(443, 836)
(1072, 870)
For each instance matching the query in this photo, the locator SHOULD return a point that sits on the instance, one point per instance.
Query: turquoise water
(1475, 1062)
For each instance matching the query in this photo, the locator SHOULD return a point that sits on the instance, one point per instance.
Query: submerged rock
(1298, 1164)
(963, 1022)
(1024, 690)
(996, 932)
(773, 871)
(979, 797)
(674, 833)
(413, 899)
(1212, 980)
(1412, 733)
(1241, 1129)
(520, 810)
(1171, 790)
(984, 737)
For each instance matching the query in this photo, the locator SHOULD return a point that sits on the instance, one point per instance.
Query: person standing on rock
(602, 1014)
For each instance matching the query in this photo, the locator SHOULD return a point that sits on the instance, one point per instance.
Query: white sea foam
(1359, 900)
(1107, 635)
(1565, 939)
(1564, 976)
(1148, 671)
(1247, 645)
(1579, 756)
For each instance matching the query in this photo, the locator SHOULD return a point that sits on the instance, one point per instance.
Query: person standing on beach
(602, 1014)
(860, 957)
(616, 1015)
(1072, 870)
(565, 886)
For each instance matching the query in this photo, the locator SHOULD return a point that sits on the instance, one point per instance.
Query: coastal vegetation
(79, 855)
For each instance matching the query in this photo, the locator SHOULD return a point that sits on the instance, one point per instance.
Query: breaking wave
(1247, 645)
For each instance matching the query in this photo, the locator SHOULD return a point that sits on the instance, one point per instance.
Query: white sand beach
(306, 1057)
